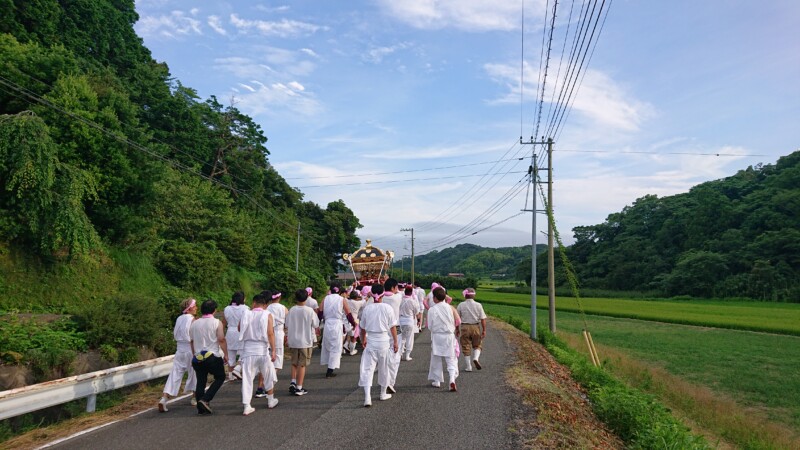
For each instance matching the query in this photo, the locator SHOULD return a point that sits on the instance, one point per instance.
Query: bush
(122, 322)
(50, 363)
(191, 265)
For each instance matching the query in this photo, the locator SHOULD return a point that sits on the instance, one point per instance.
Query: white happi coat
(182, 363)
(256, 356)
(333, 337)
(233, 315)
(442, 325)
(278, 312)
(376, 320)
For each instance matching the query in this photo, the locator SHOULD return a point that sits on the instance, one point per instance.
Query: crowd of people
(249, 343)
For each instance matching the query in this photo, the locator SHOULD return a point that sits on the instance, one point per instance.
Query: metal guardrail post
(91, 403)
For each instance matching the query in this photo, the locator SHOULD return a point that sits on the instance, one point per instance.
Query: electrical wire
(404, 171)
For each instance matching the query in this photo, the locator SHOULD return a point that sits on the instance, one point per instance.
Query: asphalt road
(332, 414)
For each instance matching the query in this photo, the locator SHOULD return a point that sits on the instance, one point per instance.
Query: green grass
(781, 318)
(755, 369)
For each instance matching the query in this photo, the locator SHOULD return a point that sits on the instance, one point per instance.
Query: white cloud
(279, 98)
(309, 52)
(216, 24)
(440, 151)
(249, 88)
(173, 25)
(296, 86)
(241, 67)
(268, 9)
(284, 28)
(468, 15)
(376, 54)
(598, 98)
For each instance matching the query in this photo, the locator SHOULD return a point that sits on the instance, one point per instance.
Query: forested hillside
(106, 159)
(734, 237)
(475, 261)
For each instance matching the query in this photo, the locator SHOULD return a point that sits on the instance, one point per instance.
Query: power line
(395, 181)
(403, 171)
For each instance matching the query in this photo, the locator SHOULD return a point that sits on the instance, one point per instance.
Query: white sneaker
(237, 372)
(353, 351)
(367, 402)
(468, 369)
(436, 384)
(385, 397)
(248, 410)
(193, 401)
(162, 405)
(409, 358)
(272, 403)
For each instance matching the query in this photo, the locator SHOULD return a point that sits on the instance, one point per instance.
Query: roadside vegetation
(737, 386)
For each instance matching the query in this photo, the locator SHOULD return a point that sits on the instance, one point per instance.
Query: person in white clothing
(312, 303)
(256, 330)
(279, 313)
(472, 315)
(356, 303)
(377, 325)
(443, 322)
(209, 349)
(410, 315)
(393, 298)
(182, 363)
(336, 312)
(301, 321)
(231, 316)
(420, 294)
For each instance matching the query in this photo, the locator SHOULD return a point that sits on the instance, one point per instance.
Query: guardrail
(31, 398)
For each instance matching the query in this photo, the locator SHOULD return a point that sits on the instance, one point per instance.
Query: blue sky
(370, 92)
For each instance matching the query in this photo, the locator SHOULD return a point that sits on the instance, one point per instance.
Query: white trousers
(394, 362)
(252, 366)
(332, 340)
(408, 338)
(232, 353)
(376, 355)
(435, 373)
(181, 365)
(279, 336)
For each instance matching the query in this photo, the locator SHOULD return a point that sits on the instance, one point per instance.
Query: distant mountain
(473, 261)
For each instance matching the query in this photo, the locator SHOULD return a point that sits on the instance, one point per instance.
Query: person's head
(468, 293)
(301, 295)
(260, 300)
(377, 292)
(390, 285)
(336, 287)
(409, 290)
(354, 295)
(273, 296)
(237, 298)
(434, 285)
(208, 307)
(309, 291)
(189, 306)
(439, 294)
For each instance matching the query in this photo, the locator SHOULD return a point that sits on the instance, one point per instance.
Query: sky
(411, 111)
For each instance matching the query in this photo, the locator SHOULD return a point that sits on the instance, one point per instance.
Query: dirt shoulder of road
(555, 411)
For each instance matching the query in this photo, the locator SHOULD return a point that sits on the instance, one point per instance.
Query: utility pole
(412, 251)
(533, 171)
(551, 278)
(297, 255)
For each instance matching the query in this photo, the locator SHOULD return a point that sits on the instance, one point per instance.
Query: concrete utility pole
(297, 255)
(533, 171)
(412, 251)
(551, 278)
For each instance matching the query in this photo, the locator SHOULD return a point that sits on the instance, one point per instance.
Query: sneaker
(162, 405)
(367, 403)
(204, 407)
(261, 393)
(301, 391)
(330, 375)
(453, 387)
(468, 369)
(237, 372)
(230, 377)
(477, 364)
(436, 384)
(353, 352)
(293, 388)
(272, 403)
(391, 390)
(248, 410)
(193, 401)
(385, 397)
(408, 358)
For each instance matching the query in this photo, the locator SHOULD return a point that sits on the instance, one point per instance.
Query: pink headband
(466, 292)
(192, 304)
(278, 295)
(366, 290)
(335, 289)
(435, 285)
(378, 296)
(309, 290)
